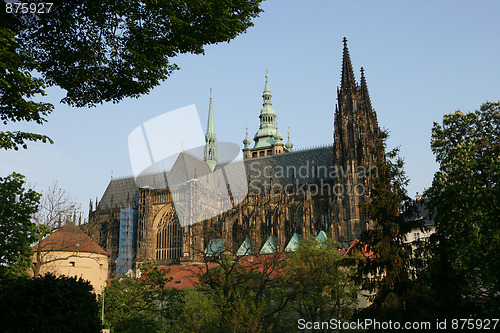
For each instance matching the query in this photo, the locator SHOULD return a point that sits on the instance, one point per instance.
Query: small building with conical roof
(70, 252)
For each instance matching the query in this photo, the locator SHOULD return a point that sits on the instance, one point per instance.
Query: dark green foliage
(464, 196)
(17, 86)
(48, 304)
(388, 271)
(269, 293)
(247, 293)
(320, 281)
(197, 313)
(17, 231)
(143, 304)
(101, 51)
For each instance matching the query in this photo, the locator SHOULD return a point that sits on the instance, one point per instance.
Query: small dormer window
(71, 264)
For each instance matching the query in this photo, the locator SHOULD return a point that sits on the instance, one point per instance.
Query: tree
(246, 291)
(464, 196)
(17, 231)
(103, 51)
(320, 281)
(56, 209)
(388, 271)
(16, 85)
(48, 304)
(142, 304)
(197, 313)
(244, 285)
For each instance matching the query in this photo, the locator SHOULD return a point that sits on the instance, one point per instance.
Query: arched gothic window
(169, 237)
(321, 217)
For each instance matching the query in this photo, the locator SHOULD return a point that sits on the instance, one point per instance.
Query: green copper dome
(247, 142)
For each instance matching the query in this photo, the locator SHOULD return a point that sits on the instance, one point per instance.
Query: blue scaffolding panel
(127, 241)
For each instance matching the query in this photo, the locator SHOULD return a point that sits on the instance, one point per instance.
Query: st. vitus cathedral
(176, 217)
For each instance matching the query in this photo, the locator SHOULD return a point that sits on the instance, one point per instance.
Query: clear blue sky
(422, 59)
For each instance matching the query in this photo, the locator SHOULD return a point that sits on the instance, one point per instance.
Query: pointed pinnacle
(364, 91)
(210, 126)
(347, 80)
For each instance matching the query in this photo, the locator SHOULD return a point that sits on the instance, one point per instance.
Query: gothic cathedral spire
(210, 153)
(347, 81)
(356, 132)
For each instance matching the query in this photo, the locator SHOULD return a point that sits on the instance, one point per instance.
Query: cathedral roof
(309, 165)
(185, 168)
(120, 193)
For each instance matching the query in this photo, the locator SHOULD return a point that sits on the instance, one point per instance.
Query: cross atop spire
(347, 81)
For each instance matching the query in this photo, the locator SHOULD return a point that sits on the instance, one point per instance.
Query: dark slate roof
(119, 193)
(423, 213)
(185, 168)
(310, 165)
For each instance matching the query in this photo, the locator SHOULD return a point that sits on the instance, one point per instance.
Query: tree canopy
(464, 198)
(320, 281)
(17, 231)
(103, 51)
(17, 87)
(140, 304)
(388, 272)
(48, 304)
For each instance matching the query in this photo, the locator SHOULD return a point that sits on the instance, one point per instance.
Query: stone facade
(291, 194)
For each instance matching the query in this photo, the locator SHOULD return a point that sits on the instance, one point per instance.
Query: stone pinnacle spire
(347, 81)
(210, 125)
(210, 153)
(364, 92)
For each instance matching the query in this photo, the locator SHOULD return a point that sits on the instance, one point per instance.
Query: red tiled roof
(69, 238)
(363, 248)
(186, 276)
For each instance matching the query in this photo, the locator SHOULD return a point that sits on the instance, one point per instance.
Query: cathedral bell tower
(268, 139)
(356, 133)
